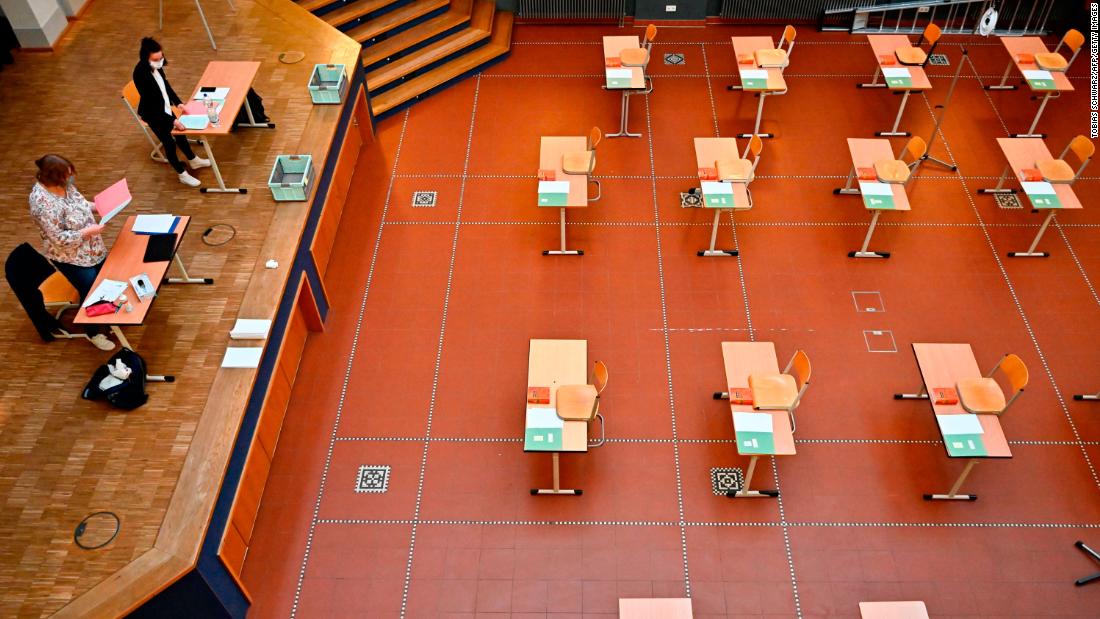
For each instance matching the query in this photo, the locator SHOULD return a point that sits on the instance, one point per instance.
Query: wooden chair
(779, 57)
(741, 170)
(1059, 171)
(782, 391)
(582, 402)
(984, 395)
(1055, 61)
(915, 56)
(639, 56)
(899, 170)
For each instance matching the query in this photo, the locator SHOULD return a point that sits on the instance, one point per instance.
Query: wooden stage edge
(181, 534)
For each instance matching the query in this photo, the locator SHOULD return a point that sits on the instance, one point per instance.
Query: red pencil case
(887, 60)
(867, 174)
(99, 308)
(1031, 175)
(945, 396)
(708, 174)
(547, 175)
(613, 62)
(741, 395)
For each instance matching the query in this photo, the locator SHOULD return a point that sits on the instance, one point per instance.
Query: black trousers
(163, 131)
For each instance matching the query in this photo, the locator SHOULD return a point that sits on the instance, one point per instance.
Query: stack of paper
(543, 430)
(553, 193)
(877, 195)
(107, 290)
(962, 434)
(754, 79)
(155, 224)
(250, 329)
(717, 194)
(112, 200)
(1039, 80)
(754, 432)
(619, 77)
(242, 357)
(1041, 194)
(897, 78)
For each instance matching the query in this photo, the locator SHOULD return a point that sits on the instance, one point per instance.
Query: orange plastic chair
(639, 56)
(741, 170)
(782, 391)
(984, 395)
(916, 56)
(898, 171)
(583, 162)
(1058, 170)
(582, 402)
(1054, 61)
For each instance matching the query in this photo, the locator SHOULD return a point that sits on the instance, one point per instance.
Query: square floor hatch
(880, 341)
(424, 199)
(675, 58)
(373, 479)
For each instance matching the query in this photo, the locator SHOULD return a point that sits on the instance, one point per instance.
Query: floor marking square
(691, 200)
(373, 479)
(424, 199)
(939, 60)
(675, 58)
(868, 301)
(879, 341)
(724, 481)
(1007, 200)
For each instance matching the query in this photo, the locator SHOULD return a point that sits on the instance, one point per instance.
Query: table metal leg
(252, 118)
(563, 251)
(874, 83)
(759, 116)
(186, 279)
(897, 120)
(1088, 397)
(153, 378)
(920, 395)
(953, 494)
(863, 253)
(221, 188)
(1000, 188)
(1034, 123)
(624, 116)
(1095, 556)
(209, 34)
(745, 493)
(557, 489)
(847, 188)
(1004, 80)
(1031, 253)
(714, 238)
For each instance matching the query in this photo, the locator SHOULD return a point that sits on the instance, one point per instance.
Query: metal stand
(562, 252)
(624, 112)
(745, 493)
(847, 189)
(187, 279)
(897, 120)
(1089, 397)
(953, 494)
(939, 119)
(221, 188)
(759, 117)
(1096, 557)
(1004, 85)
(874, 83)
(1031, 253)
(920, 395)
(202, 15)
(1000, 188)
(714, 237)
(1034, 123)
(557, 489)
(153, 378)
(863, 252)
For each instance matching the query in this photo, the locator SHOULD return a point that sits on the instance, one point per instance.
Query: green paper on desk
(618, 78)
(1041, 194)
(754, 79)
(553, 193)
(717, 194)
(898, 78)
(1040, 80)
(754, 433)
(965, 445)
(543, 430)
(877, 196)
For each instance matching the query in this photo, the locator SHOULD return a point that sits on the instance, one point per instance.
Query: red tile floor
(424, 357)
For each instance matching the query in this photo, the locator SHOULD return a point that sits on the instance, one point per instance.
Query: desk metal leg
(1034, 123)
(1000, 188)
(1004, 80)
(153, 378)
(209, 34)
(221, 188)
(897, 121)
(953, 494)
(920, 395)
(624, 120)
(1031, 253)
(1088, 397)
(714, 238)
(847, 189)
(557, 489)
(1092, 553)
(252, 119)
(759, 116)
(874, 83)
(745, 493)
(863, 253)
(563, 251)
(186, 279)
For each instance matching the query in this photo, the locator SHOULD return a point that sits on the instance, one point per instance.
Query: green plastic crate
(291, 178)
(328, 83)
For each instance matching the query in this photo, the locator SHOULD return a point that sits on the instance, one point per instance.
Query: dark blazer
(151, 105)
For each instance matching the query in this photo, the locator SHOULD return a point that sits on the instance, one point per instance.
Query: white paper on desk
(544, 418)
(220, 92)
(960, 423)
(716, 188)
(1041, 188)
(753, 422)
(250, 329)
(242, 357)
(107, 290)
(1037, 75)
(875, 189)
(616, 73)
(753, 74)
(153, 224)
(895, 72)
(553, 186)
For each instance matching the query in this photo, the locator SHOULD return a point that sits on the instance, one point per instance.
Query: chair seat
(734, 170)
(891, 171)
(57, 289)
(773, 390)
(634, 57)
(577, 162)
(576, 402)
(911, 55)
(1051, 62)
(771, 58)
(981, 395)
(1055, 171)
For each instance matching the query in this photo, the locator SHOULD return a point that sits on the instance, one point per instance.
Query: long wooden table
(885, 46)
(551, 364)
(964, 434)
(1017, 46)
(865, 152)
(707, 152)
(551, 149)
(613, 79)
(774, 84)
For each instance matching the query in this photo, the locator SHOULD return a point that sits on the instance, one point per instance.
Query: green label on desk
(898, 78)
(754, 79)
(619, 78)
(1041, 194)
(962, 445)
(877, 196)
(1039, 80)
(755, 443)
(543, 430)
(717, 194)
(553, 193)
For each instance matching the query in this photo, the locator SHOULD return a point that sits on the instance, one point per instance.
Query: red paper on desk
(112, 200)
(945, 395)
(194, 107)
(741, 395)
(887, 60)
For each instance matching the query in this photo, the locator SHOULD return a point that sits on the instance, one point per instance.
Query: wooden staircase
(412, 48)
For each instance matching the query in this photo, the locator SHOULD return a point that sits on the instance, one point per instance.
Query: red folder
(741, 395)
(945, 395)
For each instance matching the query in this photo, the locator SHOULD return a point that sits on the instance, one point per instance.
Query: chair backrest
(594, 137)
(914, 149)
(650, 35)
(789, 34)
(1073, 40)
(1082, 147)
(1015, 370)
(799, 367)
(599, 376)
(755, 145)
(931, 34)
(130, 95)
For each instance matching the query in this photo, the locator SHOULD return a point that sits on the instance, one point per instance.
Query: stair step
(354, 10)
(499, 44)
(313, 5)
(397, 17)
(423, 57)
(456, 15)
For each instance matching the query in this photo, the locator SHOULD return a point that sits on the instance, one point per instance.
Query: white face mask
(156, 64)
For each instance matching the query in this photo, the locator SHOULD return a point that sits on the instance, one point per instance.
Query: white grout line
(1073, 254)
(439, 355)
(710, 91)
(730, 523)
(347, 372)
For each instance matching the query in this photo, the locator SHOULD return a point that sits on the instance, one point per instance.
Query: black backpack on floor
(128, 395)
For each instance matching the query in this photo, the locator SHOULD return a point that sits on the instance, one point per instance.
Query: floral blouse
(60, 221)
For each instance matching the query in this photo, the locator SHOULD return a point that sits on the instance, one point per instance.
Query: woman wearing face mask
(155, 108)
(70, 235)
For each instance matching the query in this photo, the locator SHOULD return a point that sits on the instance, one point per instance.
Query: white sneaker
(189, 180)
(101, 342)
(199, 162)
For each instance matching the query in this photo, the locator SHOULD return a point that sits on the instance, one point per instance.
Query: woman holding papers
(70, 235)
(155, 108)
